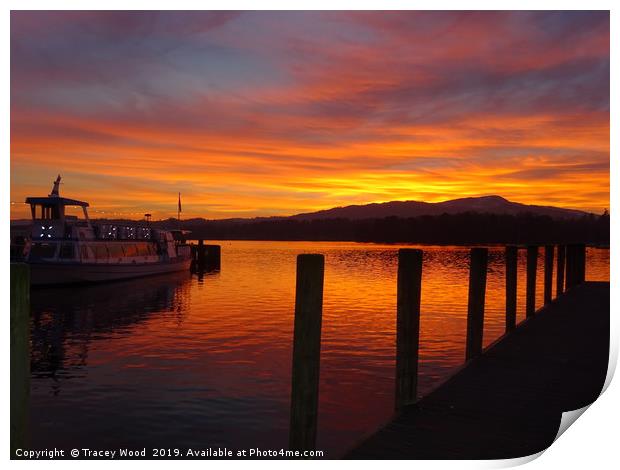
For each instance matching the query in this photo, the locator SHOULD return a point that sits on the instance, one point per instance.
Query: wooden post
(570, 266)
(511, 287)
(20, 354)
(581, 263)
(559, 282)
(409, 291)
(530, 287)
(306, 352)
(548, 274)
(475, 303)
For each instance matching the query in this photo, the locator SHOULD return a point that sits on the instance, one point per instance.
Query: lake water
(205, 362)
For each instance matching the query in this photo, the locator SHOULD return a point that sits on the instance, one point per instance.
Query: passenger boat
(64, 249)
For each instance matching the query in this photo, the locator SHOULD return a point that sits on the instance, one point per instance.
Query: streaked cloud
(261, 113)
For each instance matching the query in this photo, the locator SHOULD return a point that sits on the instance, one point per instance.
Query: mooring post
(548, 274)
(213, 256)
(306, 352)
(20, 354)
(511, 287)
(561, 262)
(581, 263)
(408, 296)
(570, 266)
(475, 303)
(530, 287)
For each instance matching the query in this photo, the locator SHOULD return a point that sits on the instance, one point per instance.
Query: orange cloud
(245, 119)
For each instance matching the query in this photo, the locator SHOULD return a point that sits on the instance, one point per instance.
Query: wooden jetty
(205, 257)
(508, 402)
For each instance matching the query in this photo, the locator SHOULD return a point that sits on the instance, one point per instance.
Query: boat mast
(56, 189)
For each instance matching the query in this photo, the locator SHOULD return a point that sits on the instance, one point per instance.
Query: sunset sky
(276, 113)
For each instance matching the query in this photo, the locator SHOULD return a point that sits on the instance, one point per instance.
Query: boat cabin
(49, 219)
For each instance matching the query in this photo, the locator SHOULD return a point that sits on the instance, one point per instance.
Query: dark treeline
(465, 228)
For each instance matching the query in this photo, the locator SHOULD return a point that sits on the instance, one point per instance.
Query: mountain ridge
(483, 204)
(492, 204)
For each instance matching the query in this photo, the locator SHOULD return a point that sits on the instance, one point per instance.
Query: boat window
(42, 250)
(84, 251)
(130, 250)
(143, 249)
(66, 251)
(115, 250)
(50, 212)
(100, 250)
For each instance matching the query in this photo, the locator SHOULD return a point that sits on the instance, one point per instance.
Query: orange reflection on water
(181, 360)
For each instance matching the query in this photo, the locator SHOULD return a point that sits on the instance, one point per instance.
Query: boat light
(45, 231)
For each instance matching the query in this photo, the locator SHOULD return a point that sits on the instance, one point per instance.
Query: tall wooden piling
(530, 286)
(475, 303)
(409, 292)
(511, 287)
(20, 354)
(581, 263)
(570, 266)
(306, 352)
(548, 274)
(561, 263)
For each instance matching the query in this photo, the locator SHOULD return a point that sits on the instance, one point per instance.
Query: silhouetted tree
(464, 228)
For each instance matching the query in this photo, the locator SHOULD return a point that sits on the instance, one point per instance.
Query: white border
(591, 442)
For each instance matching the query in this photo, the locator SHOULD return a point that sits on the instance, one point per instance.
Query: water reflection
(205, 361)
(66, 320)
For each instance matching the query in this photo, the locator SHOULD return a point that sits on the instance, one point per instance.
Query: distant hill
(406, 209)
(401, 209)
(476, 220)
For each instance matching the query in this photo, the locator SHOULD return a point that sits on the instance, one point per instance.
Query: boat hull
(47, 274)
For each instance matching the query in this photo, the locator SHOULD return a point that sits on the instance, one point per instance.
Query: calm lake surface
(187, 361)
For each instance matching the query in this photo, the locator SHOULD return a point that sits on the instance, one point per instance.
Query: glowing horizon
(276, 113)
